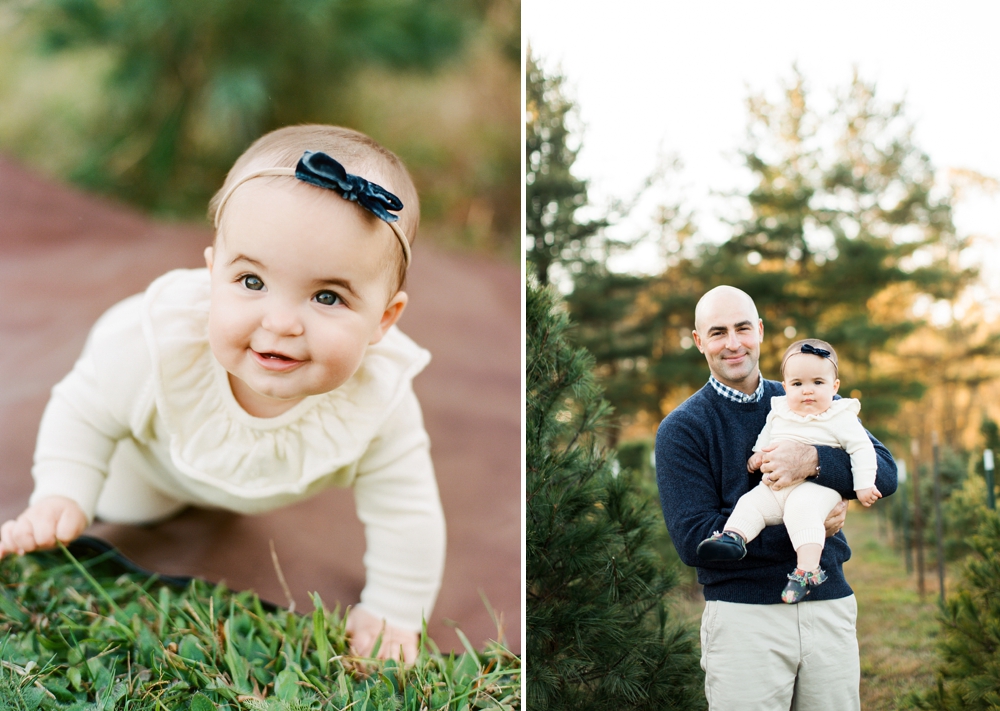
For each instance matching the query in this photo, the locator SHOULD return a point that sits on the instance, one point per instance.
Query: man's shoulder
(690, 416)
(773, 388)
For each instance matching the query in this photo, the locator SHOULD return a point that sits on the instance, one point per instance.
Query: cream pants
(129, 495)
(781, 657)
(802, 508)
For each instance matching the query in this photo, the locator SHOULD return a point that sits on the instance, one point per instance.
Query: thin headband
(321, 170)
(809, 349)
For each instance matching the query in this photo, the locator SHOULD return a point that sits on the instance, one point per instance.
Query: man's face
(729, 333)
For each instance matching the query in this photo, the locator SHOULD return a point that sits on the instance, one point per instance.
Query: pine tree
(553, 193)
(968, 678)
(599, 636)
(845, 232)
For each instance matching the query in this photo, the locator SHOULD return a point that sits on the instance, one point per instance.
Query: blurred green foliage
(163, 95)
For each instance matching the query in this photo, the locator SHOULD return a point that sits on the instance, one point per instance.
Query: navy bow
(320, 169)
(821, 352)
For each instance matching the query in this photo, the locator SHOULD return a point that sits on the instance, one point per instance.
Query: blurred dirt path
(66, 256)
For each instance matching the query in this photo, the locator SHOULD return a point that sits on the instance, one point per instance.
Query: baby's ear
(836, 386)
(209, 258)
(393, 310)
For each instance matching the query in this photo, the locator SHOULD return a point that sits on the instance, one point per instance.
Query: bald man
(758, 653)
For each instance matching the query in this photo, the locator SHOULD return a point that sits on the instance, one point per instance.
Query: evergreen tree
(553, 193)
(599, 636)
(845, 232)
(968, 678)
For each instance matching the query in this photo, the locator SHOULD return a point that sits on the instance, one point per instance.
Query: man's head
(728, 331)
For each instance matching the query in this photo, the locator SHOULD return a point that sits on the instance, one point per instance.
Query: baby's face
(300, 289)
(810, 383)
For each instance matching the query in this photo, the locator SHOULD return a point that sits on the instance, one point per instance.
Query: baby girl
(255, 383)
(807, 413)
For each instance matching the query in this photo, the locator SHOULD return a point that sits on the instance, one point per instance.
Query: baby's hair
(358, 153)
(796, 348)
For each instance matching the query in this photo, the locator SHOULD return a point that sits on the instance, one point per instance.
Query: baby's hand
(364, 628)
(52, 519)
(753, 464)
(869, 496)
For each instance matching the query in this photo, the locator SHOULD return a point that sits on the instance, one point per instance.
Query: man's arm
(692, 500)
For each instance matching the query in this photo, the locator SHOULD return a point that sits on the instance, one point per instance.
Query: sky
(672, 78)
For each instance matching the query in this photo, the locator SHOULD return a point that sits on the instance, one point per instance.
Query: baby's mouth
(275, 361)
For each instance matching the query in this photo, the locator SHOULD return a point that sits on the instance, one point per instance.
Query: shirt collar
(735, 395)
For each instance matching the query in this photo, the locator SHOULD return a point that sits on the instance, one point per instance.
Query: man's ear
(393, 310)
(697, 340)
(209, 258)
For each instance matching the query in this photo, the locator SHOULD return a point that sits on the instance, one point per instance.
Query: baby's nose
(282, 320)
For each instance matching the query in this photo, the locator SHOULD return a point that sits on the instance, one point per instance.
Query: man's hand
(786, 462)
(52, 519)
(835, 520)
(364, 628)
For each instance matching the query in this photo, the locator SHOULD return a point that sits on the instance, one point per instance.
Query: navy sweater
(702, 449)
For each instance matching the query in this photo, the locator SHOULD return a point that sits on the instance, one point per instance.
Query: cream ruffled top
(837, 426)
(147, 373)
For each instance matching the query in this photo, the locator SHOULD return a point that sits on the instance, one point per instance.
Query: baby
(809, 414)
(255, 383)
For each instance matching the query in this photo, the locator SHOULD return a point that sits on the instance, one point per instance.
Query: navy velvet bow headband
(321, 170)
(821, 352)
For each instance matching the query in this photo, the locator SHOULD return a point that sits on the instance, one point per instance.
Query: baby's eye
(252, 282)
(327, 298)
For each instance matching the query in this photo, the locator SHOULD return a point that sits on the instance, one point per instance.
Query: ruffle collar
(216, 442)
(779, 405)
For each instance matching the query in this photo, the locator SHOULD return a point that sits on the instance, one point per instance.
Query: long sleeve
(764, 438)
(836, 468)
(89, 410)
(397, 501)
(699, 488)
(864, 460)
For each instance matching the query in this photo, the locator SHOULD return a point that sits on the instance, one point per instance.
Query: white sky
(671, 77)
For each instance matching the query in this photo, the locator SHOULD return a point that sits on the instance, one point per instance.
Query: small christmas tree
(968, 678)
(598, 631)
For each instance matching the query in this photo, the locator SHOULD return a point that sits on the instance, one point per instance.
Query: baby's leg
(127, 496)
(756, 509)
(806, 509)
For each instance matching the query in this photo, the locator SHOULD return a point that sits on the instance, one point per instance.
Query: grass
(74, 636)
(896, 628)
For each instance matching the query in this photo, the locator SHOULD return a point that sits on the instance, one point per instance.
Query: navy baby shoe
(722, 546)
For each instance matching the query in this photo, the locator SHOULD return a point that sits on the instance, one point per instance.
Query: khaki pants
(781, 657)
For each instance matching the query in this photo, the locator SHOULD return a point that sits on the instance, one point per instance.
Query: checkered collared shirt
(735, 395)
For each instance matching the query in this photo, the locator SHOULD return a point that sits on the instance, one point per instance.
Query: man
(758, 653)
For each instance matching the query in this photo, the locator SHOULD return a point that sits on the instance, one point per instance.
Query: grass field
(896, 629)
(77, 637)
